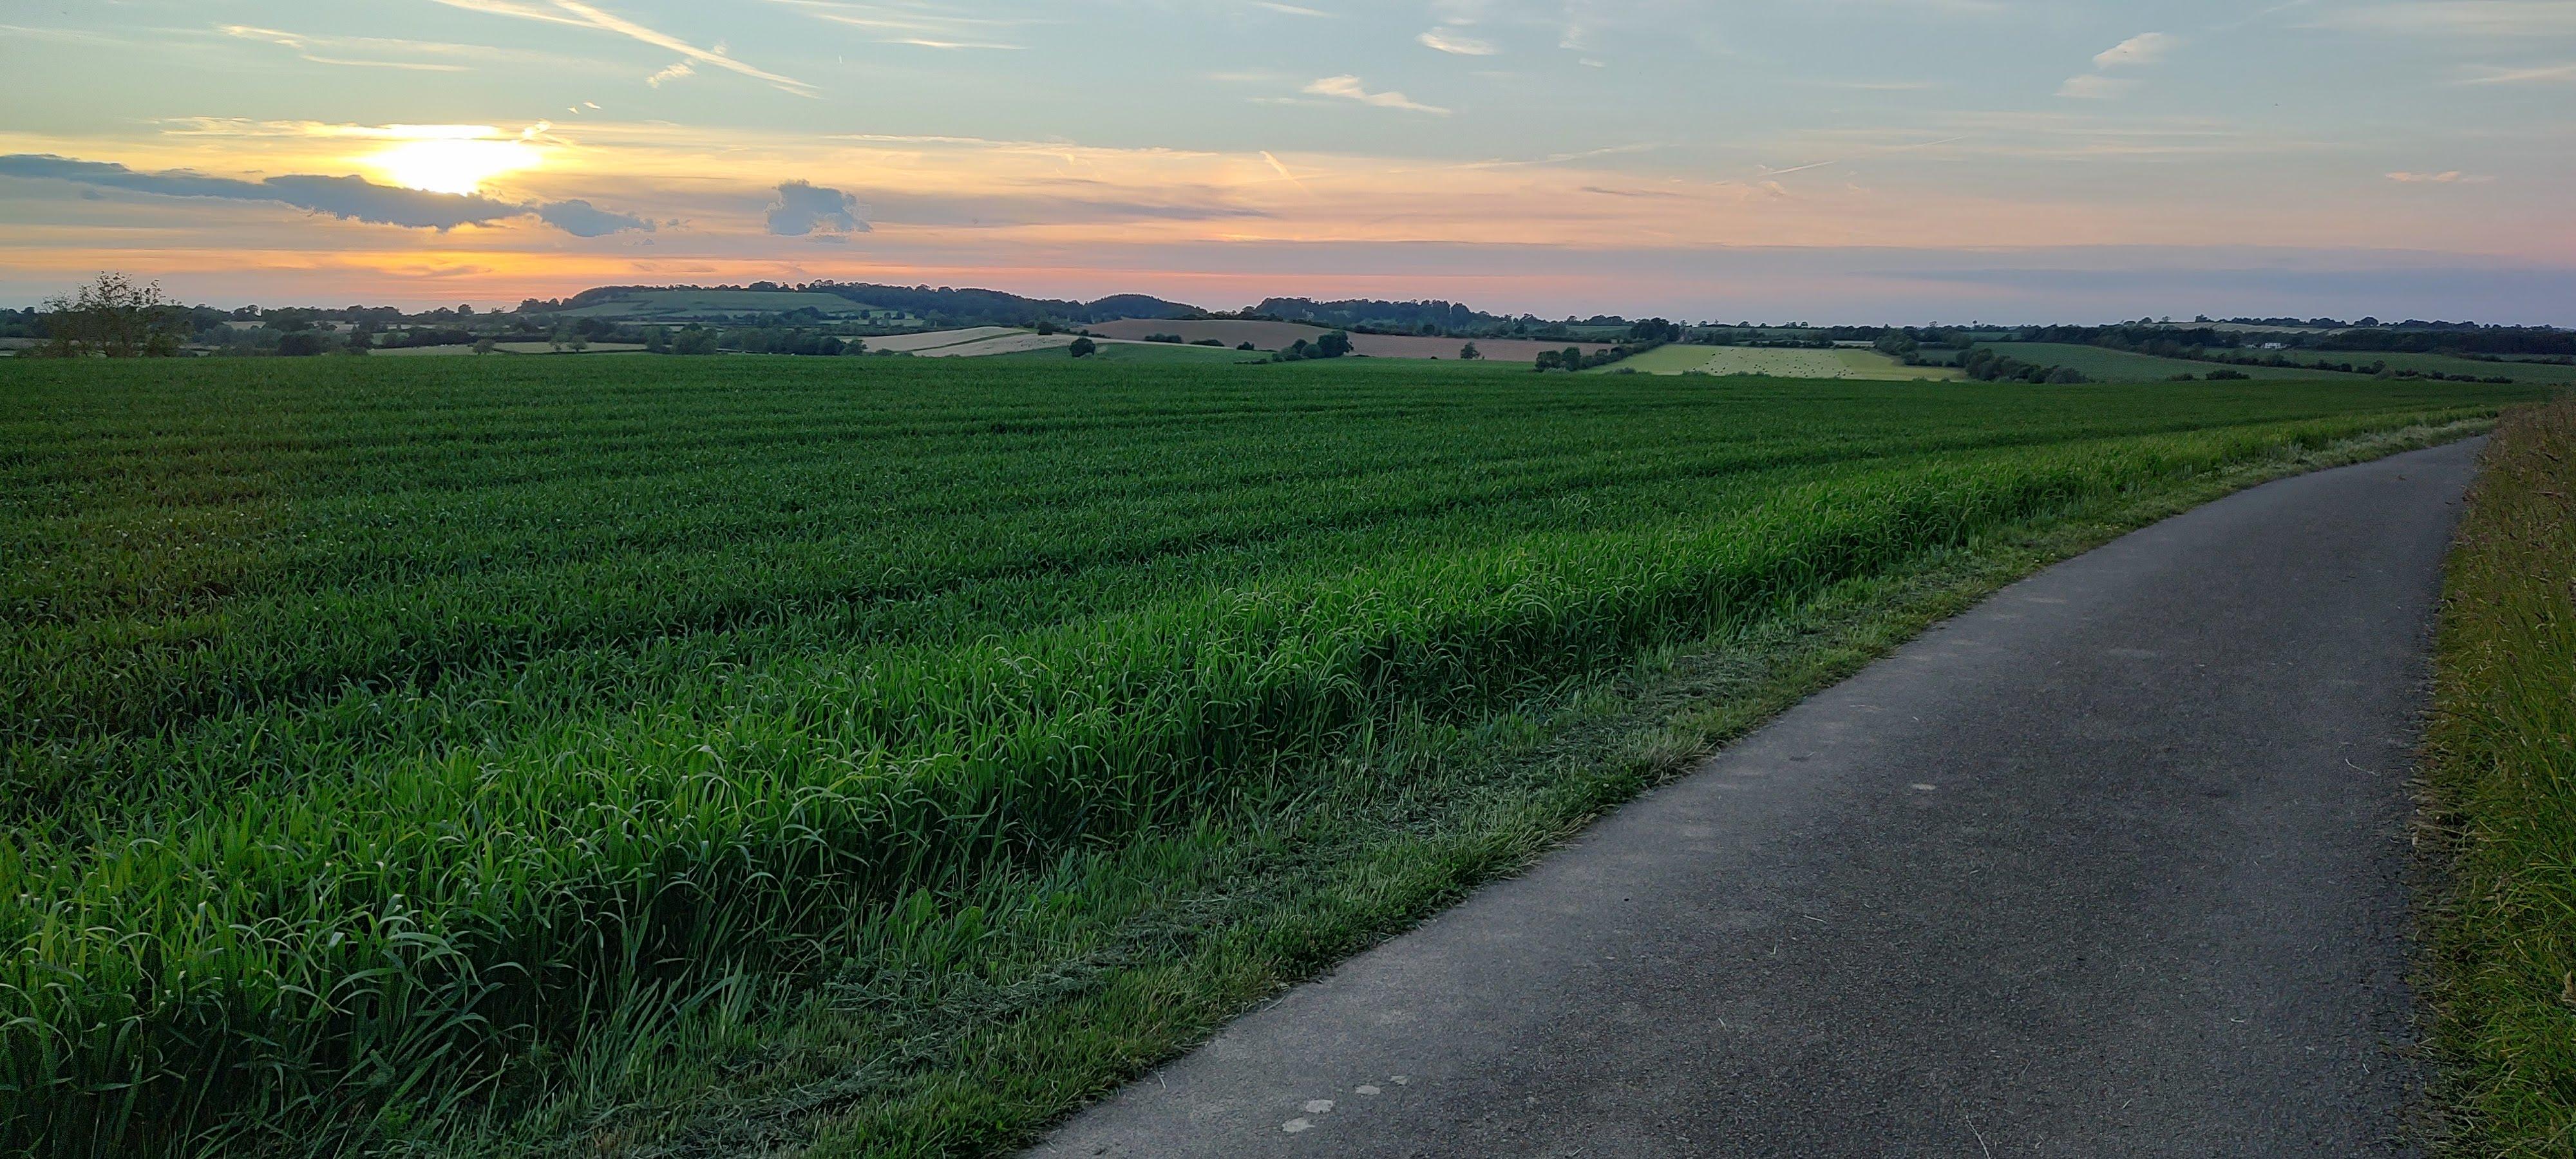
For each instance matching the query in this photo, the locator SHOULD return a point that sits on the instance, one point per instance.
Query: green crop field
(615, 755)
(1867, 365)
(2519, 371)
(2106, 365)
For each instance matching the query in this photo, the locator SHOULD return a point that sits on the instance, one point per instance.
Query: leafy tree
(484, 346)
(1084, 348)
(1550, 360)
(1333, 345)
(301, 344)
(1469, 353)
(113, 317)
(1248, 347)
(1654, 330)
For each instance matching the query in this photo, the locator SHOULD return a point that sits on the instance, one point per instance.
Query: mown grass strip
(2501, 802)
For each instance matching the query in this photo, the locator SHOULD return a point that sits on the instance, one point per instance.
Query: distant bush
(1083, 348)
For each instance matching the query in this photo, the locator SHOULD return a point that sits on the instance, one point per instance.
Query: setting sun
(453, 164)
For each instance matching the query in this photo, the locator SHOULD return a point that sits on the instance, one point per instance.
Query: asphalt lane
(2113, 864)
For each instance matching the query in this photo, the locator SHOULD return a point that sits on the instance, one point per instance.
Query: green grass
(2501, 801)
(2105, 365)
(1775, 362)
(489, 756)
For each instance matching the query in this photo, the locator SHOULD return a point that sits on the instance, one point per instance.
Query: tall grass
(373, 730)
(2502, 787)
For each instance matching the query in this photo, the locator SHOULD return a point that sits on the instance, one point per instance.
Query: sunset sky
(1826, 160)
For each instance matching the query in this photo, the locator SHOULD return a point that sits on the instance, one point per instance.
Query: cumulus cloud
(1441, 40)
(804, 208)
(347, 198)
(582, 219)
(1350, 88)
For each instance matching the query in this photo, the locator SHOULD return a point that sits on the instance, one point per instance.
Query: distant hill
(635, 304)
(892, 306)
(1117, 306)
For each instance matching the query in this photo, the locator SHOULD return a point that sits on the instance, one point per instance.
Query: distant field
(874, 756)
(2104, 365)
(934, 339)
(1007, 342)
(1014, 342)
(1142, 352)
(1866, 365)
(546, 348)
(549, 348)
(675, 306)
(1282, 335)
(2539, 372)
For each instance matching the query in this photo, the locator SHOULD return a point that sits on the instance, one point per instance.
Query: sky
(1815, 160)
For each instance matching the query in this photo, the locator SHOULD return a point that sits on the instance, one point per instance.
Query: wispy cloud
(2095, 87)
(913, 26)
(576, 14)
(2543, 74)
(1349, 88)
(305, 47)
(2145, 48)
(2140, 51)
(1441, 40)
(2499, 18)
(2446, 177)
(679, 70)
(1286, 9)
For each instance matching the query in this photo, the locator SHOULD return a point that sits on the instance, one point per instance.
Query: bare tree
(114, 317)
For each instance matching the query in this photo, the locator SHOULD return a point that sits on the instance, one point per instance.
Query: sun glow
(455, 163)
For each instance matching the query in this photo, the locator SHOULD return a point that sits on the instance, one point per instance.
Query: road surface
(2114, 864)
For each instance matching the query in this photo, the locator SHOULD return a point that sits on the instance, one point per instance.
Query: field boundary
(2497, 965)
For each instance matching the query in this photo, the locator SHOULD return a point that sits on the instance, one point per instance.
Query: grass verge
(2500, 931)
(1051, 988)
